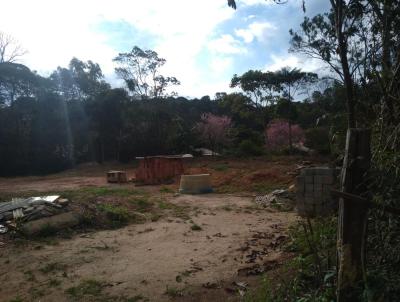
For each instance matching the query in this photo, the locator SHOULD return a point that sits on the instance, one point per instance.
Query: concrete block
(318, 179)
(327, 179)
(326, 189)
(317, 187)
(309, 179)
(309, 188)
(307, 172)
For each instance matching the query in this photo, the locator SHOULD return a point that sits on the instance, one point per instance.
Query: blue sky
(205, 42)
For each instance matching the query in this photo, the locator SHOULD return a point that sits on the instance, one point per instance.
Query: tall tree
(140, 69)
(10, 49)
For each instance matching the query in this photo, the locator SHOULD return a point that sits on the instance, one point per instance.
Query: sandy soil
(146, 259)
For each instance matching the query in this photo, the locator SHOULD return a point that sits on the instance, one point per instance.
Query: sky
(205, 42)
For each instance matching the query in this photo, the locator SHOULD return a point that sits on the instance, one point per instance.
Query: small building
(159, 169)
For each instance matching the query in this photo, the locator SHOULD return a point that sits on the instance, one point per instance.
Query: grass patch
(221, 167)
(196, 227)
(85, 289)
(53, 267)
(117, 215)
(308, 277)
(54, 283)
(173, 292)
(142, 204)
(165, 189)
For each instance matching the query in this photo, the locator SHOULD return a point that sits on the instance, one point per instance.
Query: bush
(249, 147)
(318, 140)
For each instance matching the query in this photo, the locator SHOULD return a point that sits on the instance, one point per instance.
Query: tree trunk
(342, 49)
(352, 219)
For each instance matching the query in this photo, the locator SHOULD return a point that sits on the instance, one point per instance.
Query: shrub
(249, 147)
(318, 140)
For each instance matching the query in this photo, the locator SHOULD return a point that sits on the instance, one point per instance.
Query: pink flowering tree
(214, 130)
(277, 134)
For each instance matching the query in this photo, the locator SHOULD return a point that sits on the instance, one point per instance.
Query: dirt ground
(224, 239)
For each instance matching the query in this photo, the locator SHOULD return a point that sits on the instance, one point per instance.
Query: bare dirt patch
(167, 246)
(155, 260)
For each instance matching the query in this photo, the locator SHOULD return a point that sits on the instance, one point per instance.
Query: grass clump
(221, 167)
(195, 227)
(311, 275)
(53, 267)
(165, 189)
(117, 215)
(173, 292)
(85, 289)
(142, 204)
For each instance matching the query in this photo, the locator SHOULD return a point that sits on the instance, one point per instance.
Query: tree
(10, 49)
(214, 130)
(17, 80)
(277, 134)
(80, 81)
(260, 86)
(140, 69)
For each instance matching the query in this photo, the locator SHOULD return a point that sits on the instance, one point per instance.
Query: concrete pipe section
(195, 184)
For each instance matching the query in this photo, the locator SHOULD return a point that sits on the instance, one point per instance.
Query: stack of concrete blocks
(313, 191)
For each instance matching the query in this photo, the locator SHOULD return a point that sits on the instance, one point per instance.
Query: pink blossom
(277, 134)
(214, 129)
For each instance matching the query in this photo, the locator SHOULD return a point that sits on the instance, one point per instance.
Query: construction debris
(24, 210)
(117, 177)
(275, 197)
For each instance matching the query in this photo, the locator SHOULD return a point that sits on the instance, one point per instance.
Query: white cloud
(293, 61)
(55, 31)
(262, 31)
(226, 44)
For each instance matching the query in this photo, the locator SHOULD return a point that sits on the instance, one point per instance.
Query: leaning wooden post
(353, 216)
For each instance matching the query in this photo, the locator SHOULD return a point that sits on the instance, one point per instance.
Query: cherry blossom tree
(277, 134)
(214, 130)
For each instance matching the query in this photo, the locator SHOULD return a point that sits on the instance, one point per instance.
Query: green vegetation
(165, 189)
(310, 275)
(53, 267)
(173, 292)
(221, 167)
(117, 215)
(196, 227)
(86, 289)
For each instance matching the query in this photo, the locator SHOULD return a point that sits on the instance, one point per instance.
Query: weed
(86, 288)
(29, 276)
(143, 204)
(227, 208)
(54, 282)
(53, 267)
(173, 292)
(17, 299)
(195, 227)
(117, 215)
(220, 167)
(36, 293)
(164, 189)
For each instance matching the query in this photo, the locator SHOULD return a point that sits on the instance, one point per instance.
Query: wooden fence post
(353, 216)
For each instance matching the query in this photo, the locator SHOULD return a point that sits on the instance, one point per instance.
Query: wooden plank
(370, 204)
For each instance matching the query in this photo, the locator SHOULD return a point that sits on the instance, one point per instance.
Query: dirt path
(156, 260)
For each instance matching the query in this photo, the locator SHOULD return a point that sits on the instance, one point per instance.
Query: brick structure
(154, 170)
(313, 187)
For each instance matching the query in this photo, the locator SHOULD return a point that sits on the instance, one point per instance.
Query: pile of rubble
(277, 197)
(23, 210)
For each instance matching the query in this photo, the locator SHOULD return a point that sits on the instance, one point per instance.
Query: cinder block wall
(313, 191)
